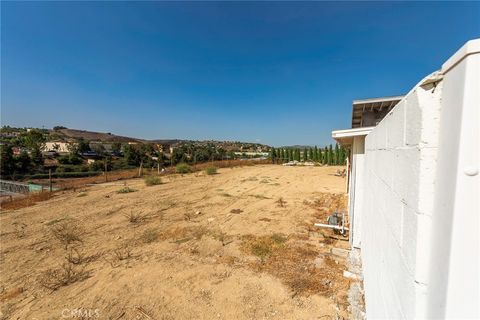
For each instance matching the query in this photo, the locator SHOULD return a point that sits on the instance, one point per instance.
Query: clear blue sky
(279, 73)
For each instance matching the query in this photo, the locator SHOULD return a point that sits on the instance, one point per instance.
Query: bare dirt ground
(236, 245)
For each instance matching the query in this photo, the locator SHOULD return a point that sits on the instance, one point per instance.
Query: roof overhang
(345, 137)
(374, 104)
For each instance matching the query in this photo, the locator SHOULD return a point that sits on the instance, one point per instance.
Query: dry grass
(66, 274)
(11, 294)
(211, 171)
(75, 256)
(262, 247)
(135, 217)
(126, 190)
(331, 202)
(26, 201)
(150, 235)
(293, 264)
(152, 180)
(75, 183)
(122, 252)
(181, 233)
(68, 232)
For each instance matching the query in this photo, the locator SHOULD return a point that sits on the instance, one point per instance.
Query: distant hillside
(296, 147)
(62, 133)
(89, 135)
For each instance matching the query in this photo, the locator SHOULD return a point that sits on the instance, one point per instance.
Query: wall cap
(471, 47)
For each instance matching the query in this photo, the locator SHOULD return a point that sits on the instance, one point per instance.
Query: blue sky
(278, 73)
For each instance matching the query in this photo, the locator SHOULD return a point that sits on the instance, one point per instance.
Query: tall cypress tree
(315, 154)
(325, 155)
(337, 155)
(305, 155)
(273, 154)
(330, 155)
(342, 155)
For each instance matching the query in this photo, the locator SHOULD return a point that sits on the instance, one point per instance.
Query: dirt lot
(235, 245)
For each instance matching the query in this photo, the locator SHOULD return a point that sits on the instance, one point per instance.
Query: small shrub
(278, 238)
(183, 168)
(281, 203)
(122, 252)
(54, 221)
(135, 217)
(261, 249)
(149, 235)
(67, 232)
(211, 171)
(74, 256)
(68, 273)
(224, 194)
(126, 190)
(264, 246)
(152, 180)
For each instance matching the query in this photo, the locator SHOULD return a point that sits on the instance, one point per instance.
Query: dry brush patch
(152, 180)
(331, 201)
(68, 231)
(293, 264)
(126, 190)
(26, 201)
(64, 275)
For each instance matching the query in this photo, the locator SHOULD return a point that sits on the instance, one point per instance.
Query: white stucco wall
(400, 160)
(420, 208)
(356, 190)
(454, 283)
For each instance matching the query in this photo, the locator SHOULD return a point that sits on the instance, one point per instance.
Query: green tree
(116, 147)
(132, 155)
(315, 154)
(330, 155)
(33, 139)
(7, 161)
(36, 156)
(82, 146)
(343, 155)
(24, 163)
(325, 155)
(273, 154)
(337, 155)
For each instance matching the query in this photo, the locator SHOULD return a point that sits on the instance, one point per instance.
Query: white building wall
(398, 205)
(454, 287)
(356, 190)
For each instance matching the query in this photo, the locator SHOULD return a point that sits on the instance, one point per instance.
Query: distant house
(58, 146)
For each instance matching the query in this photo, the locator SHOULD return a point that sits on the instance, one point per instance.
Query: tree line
(328, 155)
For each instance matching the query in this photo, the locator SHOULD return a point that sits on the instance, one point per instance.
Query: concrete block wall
(398, 179)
